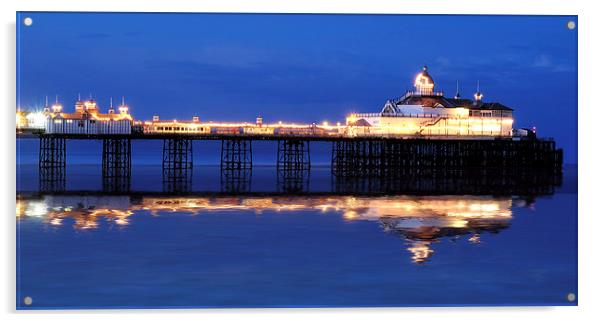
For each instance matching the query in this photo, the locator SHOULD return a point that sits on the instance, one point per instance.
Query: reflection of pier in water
(236, 180)
(431, 181)
(405, 181)
(420, 220)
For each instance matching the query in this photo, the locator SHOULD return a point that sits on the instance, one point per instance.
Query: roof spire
(79, 97)
(46, 100)
(457, 90)
(478, 96)
(111, 108)
(122, 100)
(56, 98)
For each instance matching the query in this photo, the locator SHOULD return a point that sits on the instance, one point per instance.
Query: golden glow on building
(89, 109)
(241, 128)
(57, 107)
(424, 112)
(423, 83)
(21, 120)
(30, 120)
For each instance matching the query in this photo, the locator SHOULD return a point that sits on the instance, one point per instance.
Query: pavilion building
(426, 112)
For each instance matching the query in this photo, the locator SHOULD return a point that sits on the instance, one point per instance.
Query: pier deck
(259, 137)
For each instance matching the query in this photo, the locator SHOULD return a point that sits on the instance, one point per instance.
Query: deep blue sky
(300, 67)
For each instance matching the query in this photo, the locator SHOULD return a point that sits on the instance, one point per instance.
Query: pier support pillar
(52, 163)
(52, 179)
(236, 180)
(52, 152)
(116, 164)
(177, 165)
(236, 156)
(177, 156)
(351, 158)
(292, 181)
(116, 158)
(293, 155)
(293, 166)
(178, 184)
(424, 157)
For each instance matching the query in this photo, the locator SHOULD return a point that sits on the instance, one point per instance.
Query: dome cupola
(424, 83)
(123, 108)
(57, 107)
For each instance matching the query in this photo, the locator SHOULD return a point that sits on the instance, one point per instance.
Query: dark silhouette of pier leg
(292, 180)
(116, 164)
(177, 165)
(293, 155)
(52, 163)
(293, 166)
(420, 181)
(524, 167)
(358, 158)
(393, 158)
(237, 155)
(52, 179)
(236, 180)
(236, 165)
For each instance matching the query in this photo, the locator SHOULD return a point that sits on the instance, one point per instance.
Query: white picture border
(589, 29)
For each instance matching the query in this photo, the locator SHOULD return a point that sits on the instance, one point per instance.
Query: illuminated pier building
(426, 112)
(423, 112)
(87, 119)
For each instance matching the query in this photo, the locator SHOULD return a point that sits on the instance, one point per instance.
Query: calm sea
(260, 240)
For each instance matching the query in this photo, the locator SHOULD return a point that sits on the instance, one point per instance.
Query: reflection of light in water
(447, 211)
(350, 214)
(475, 239)
(421, 220)
(89, 219)
(20, 208)
(121, 217)
(420, 250)
(36, 209)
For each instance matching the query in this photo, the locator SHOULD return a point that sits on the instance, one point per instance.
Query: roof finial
(122, 100)
(79, 96)
(56, 99)
(478, 96)
(457, 90)
(424, 68)
(111, 102)
(46, 100)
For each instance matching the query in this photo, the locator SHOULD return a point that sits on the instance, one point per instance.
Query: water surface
(259, 241)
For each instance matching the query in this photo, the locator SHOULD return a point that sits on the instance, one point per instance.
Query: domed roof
(423, 78)
(424, 83)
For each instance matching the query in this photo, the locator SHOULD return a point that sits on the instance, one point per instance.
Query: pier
(351, 158)
(422, 133)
